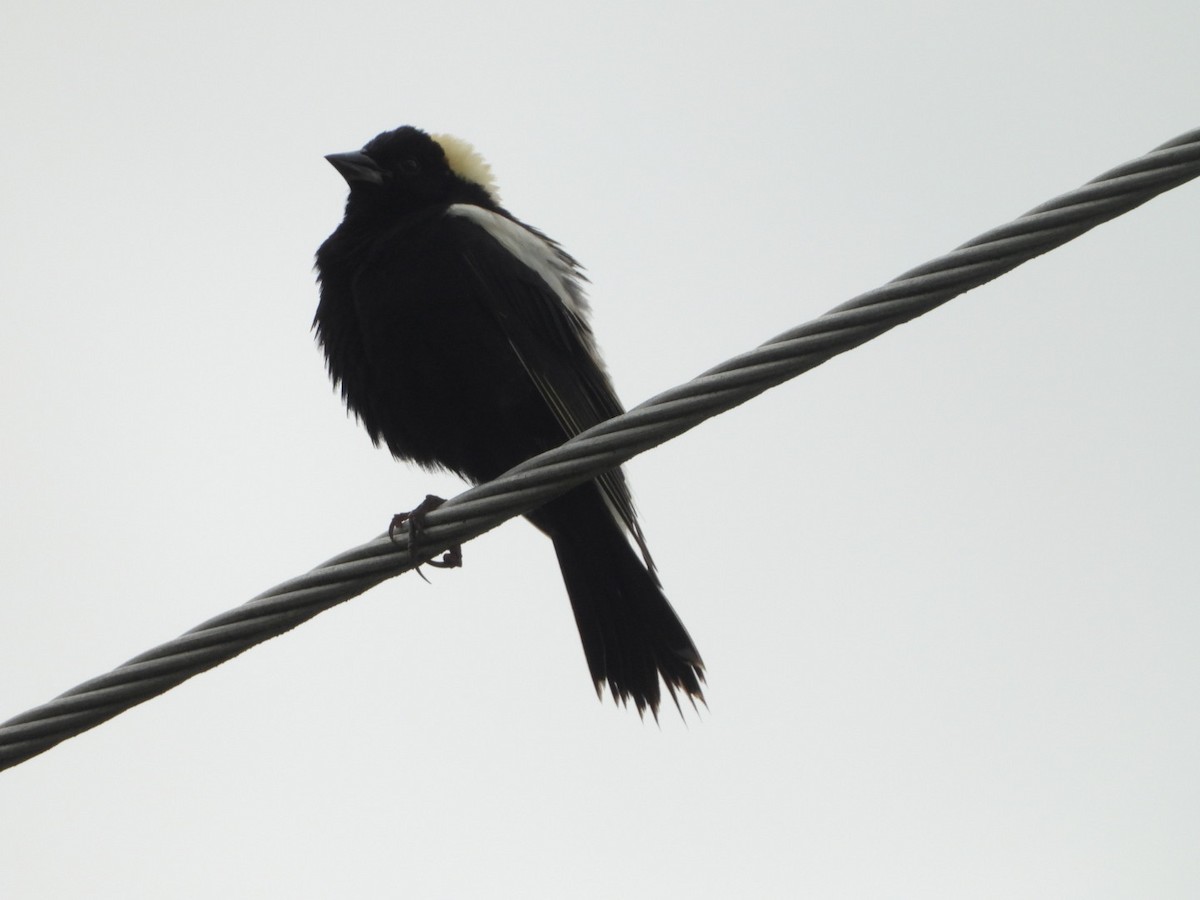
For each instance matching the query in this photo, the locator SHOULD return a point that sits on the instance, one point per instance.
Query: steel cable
(607, 445)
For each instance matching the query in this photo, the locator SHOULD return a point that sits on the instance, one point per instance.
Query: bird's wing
(534, 290)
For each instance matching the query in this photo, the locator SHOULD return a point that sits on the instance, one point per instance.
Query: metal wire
(604, 446)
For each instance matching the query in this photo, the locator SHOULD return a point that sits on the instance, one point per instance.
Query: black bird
(460, 338)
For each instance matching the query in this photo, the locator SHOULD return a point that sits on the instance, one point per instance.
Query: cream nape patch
(467, 163)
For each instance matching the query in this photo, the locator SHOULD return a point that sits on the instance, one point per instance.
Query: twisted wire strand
(606, 445)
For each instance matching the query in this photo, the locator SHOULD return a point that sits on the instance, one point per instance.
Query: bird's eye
(409, 165)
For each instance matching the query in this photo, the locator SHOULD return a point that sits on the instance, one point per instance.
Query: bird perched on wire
(460, 339)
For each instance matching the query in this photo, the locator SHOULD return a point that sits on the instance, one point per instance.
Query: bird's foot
(412, 522)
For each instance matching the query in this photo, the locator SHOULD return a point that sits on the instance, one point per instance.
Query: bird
(460, 338)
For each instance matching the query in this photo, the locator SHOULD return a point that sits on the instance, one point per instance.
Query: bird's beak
(356, 167)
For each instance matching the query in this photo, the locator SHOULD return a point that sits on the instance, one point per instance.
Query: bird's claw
(412, 522)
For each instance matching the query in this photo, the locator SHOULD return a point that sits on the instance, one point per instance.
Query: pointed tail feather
(631, 635)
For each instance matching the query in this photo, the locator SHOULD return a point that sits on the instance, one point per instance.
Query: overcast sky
(945, 586)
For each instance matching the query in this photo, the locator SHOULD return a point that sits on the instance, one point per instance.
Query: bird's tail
(631, 635)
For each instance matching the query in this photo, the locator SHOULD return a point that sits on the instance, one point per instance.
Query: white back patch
(543, 258)
(466, 162)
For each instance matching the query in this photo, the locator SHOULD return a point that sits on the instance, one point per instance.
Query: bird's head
(407, 168)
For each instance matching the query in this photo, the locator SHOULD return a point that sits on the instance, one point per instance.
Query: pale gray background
(946, 586)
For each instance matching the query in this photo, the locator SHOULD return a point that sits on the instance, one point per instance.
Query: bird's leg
(412, 522)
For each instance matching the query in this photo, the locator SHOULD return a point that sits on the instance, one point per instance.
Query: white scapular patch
(538, 254)
(466, 162)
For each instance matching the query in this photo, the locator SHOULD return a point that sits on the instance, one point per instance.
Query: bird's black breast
(410, 334)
